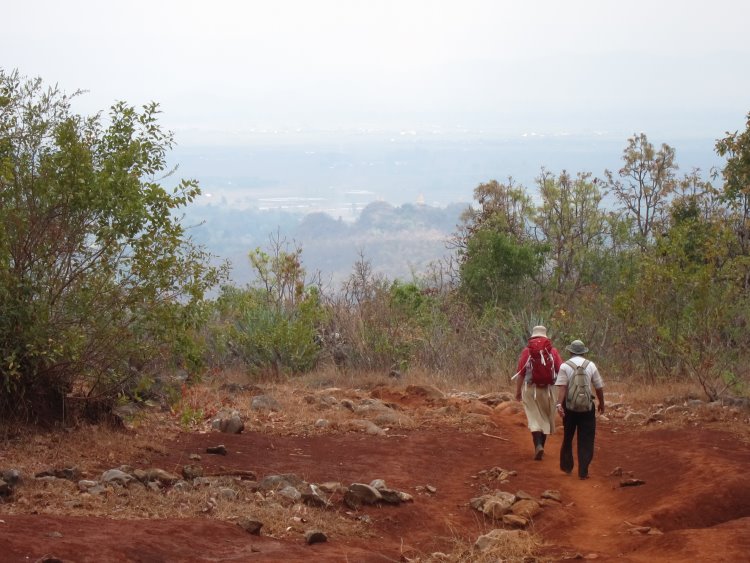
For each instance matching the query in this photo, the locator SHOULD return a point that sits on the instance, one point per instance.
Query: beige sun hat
(539, 330)
(577, 347)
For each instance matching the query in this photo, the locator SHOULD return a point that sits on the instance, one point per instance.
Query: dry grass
(513, 548)
(88, 447)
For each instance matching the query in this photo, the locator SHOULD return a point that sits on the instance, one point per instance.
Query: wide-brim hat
(539, 330)
(576, 347)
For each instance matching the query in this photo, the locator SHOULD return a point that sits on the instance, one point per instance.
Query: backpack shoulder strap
(585, 364)
(572, 364)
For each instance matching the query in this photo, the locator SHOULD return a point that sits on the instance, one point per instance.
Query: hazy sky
(219, 68)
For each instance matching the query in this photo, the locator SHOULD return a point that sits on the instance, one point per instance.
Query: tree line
(103, 290)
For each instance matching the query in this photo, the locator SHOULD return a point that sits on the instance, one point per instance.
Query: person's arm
(600, 396)
(598, 382)
(519, 386)
(521, 372)
(562, 391)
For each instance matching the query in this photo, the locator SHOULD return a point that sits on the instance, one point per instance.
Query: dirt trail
(695, 494)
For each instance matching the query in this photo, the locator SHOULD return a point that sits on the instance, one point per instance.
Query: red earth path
(696, 493)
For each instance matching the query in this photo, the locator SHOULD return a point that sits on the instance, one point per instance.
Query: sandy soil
(695, 500)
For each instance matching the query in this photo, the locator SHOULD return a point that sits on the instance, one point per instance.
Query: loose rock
(315, 536)
(250, 525)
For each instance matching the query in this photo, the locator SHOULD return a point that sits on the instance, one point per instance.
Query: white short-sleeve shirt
(592, 373)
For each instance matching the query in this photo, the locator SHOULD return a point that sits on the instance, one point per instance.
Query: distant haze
(225, 68)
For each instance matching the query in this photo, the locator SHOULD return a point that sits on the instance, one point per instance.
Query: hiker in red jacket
(535, 384)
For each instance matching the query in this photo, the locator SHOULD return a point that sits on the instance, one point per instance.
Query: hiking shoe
(539, 452)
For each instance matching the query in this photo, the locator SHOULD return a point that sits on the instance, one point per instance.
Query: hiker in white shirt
(582, 421)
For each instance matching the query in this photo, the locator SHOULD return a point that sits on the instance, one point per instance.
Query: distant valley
(392, 197)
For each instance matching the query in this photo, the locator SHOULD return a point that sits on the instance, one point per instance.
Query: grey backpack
(579, 397)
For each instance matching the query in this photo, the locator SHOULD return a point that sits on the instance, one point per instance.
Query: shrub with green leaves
(96, 270)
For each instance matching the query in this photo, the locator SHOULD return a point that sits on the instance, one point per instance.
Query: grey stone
(85, 484)
(426, 391)
(331, 487)
(313, 495)
(191, 472)
(515, 520)
(290, 494)
(494, 399)
(68, 473)
(181, 486)
(367, 426)
(250, 525)
(347, 404)
(358, 494)
(162, 476)
(495, 504)
(405, 497)
(315, 536)
(12, 477)
(265, 403)
(96, 490)
(377, 484)
(117, 477)
(391, 496)
(274, 482)
(393, 419)
(228, 494)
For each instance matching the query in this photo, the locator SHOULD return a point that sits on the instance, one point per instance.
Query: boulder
(358, 494)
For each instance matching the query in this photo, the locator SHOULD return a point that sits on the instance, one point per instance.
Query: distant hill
(398, 241)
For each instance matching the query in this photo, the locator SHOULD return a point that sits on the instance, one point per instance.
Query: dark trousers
(585, 425)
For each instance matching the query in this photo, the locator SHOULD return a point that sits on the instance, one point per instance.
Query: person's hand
(601, 407)
(560, 410)
(518, 395)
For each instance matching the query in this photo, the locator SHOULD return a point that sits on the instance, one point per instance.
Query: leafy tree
(502, 207)
(495, 249)
(572, 223)
(497, 266)
(96, 269)
(643, 185)
(682, 305)
(736, 191)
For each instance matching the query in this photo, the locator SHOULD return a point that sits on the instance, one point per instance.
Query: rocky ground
(389, 473)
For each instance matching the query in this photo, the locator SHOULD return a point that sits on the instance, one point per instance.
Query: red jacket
(521, 369)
